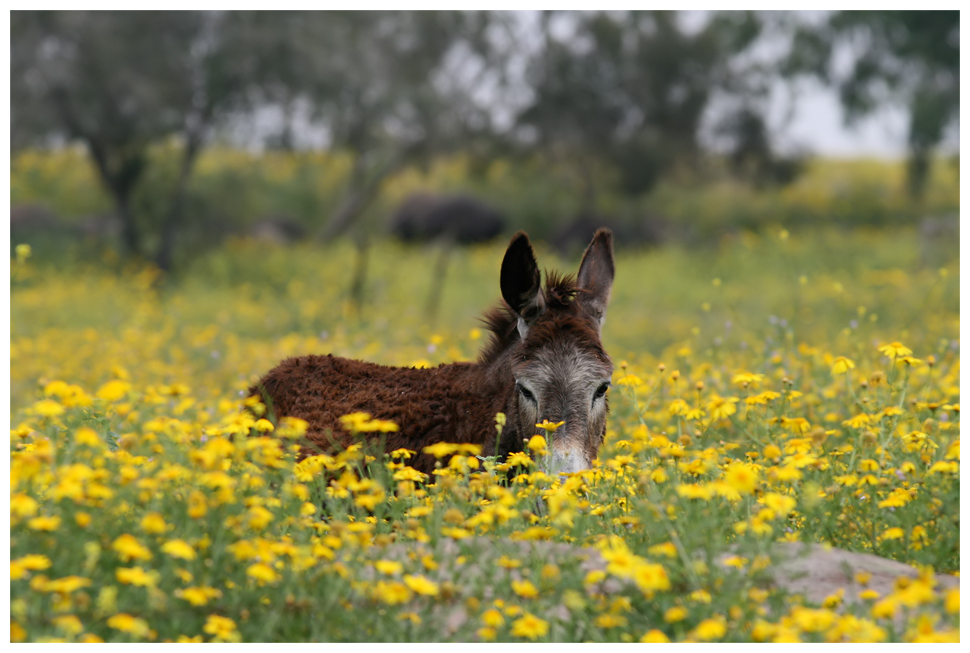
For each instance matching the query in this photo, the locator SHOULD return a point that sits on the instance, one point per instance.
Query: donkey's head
(560, 368)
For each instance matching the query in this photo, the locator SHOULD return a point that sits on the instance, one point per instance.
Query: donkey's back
(447, 403)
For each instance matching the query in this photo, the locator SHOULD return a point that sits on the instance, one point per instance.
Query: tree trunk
(120, 181)
(166, 247)
(433, 305)
(917, 171)
(360, 276)
(130, 233)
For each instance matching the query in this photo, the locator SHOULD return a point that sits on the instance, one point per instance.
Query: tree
(628, 89)
(120, 82)
(911, 58)
(392, 88)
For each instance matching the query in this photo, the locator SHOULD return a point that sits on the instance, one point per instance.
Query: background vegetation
(646, 118)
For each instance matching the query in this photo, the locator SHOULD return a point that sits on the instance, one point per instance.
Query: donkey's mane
(559, 292)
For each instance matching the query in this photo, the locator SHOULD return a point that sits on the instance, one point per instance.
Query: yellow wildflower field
(776, 388)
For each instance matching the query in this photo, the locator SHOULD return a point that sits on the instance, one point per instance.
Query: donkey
(544, 361)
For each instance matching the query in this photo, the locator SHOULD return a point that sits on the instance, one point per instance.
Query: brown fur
(454, 402)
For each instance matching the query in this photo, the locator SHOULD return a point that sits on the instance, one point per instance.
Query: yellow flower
(695, 491)
(678, 407)
(421, 585)
(549, 427)
(780, 503)
(391, 593)
(735, 561)
(113, 391)
(894, 533)
(492, 618)
(88, 437)
(440, 449)
(897, 498)
(654, 636)
(841, 365)
(630, 379)
(525, 589)
(884, 609)
(32, 562)
(537, 445)
(786, 473)
(128, 624)
(44, 523)
(812, 620)
(48, 408)
(413, 617)
(701, 596)
(389, 567)
(136, 576)
(179, 549)
(262, 572)
(722, 407)
(610, 621)
(858, 421)
(944, 466)
(762, 399)
(258, 518)
(650, 577)
(518, 459)
(620, 560)
(895, 350)
(741, 477)
(22, 505)
(221, 628)
(129, 548)
(666, 549)
(952, 601)
(530, 626)
(748, 379)
(710, 629)
(291, 428)
(68, 624)
(198, 595)
(675, 614)
(153, 523)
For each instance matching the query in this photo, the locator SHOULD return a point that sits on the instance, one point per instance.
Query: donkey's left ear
(595, 278)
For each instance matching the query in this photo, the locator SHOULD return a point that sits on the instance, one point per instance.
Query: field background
(119, 377)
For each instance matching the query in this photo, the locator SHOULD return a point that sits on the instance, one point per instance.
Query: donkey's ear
(595, 278)
(521, 282)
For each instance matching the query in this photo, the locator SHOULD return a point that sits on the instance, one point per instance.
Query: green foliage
(232, 189)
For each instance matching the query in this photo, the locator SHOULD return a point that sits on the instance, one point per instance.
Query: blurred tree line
(618, 98)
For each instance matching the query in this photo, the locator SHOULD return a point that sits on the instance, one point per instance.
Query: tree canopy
(620, 97)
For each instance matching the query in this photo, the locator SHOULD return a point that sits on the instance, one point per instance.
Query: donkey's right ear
(521, 282)
(595, 277)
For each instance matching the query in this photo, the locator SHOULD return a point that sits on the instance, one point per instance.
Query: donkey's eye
(525, 392)
(600, 391)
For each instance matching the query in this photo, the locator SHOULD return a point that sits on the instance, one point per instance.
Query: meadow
(769, 387)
